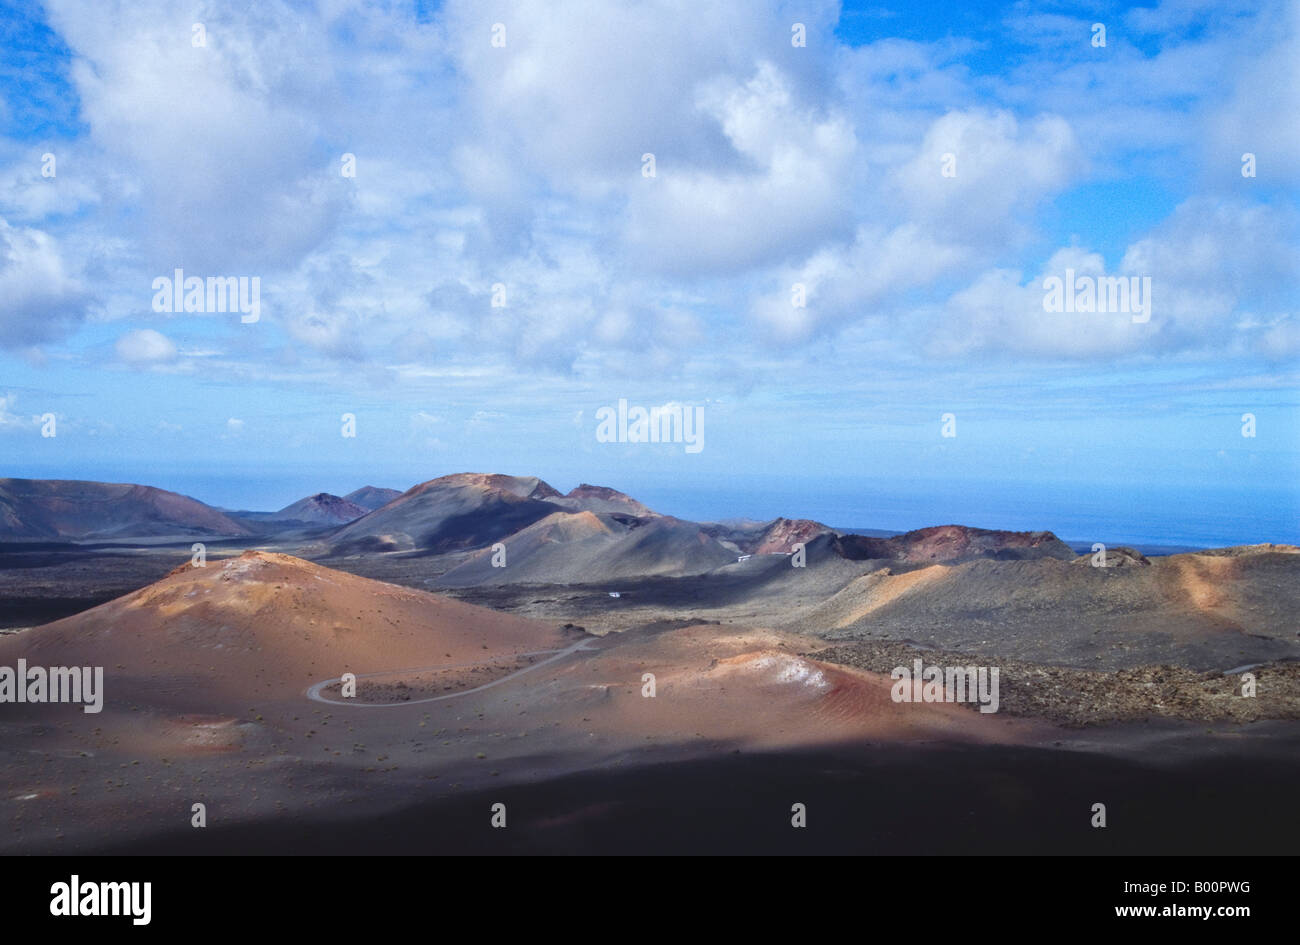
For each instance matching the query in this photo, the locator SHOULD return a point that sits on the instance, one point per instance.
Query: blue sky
(521, 165)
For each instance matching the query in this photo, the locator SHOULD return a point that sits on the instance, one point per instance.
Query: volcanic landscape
(547, 672)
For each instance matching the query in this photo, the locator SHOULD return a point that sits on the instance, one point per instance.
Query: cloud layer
(384, 173)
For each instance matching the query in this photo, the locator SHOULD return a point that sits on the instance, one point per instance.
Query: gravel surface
(1079, 697)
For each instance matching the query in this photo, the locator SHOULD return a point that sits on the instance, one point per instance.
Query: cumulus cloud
(851, 282)
(583, 88)
(796, 173)
(211, 144)
(1210, 265)
(28, 195)
(1000, 313)
(1000, 167)
(521, 165)
(1263, 86)
(40, 300)
(145, 346)
(1212, 259)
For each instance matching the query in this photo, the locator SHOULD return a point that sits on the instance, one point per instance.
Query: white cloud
(521, 165)
(999, 313)
(583, 87)
(1002, 169)
(1212, 259)
(796, 172)
(853, 282)
(28, 196)
(40, 300)
(1280, 338)
(1265, 85)
(1209, 264)
(213, 145)
(11, 422)
(145, 346)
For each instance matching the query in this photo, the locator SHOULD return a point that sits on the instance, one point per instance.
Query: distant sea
(1203, 517)
(1132, 513)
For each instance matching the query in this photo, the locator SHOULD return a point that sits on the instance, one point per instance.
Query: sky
(473, 225)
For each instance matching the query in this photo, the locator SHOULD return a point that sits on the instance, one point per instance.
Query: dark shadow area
(866, 799)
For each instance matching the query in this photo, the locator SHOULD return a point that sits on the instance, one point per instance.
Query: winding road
(314, 692)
